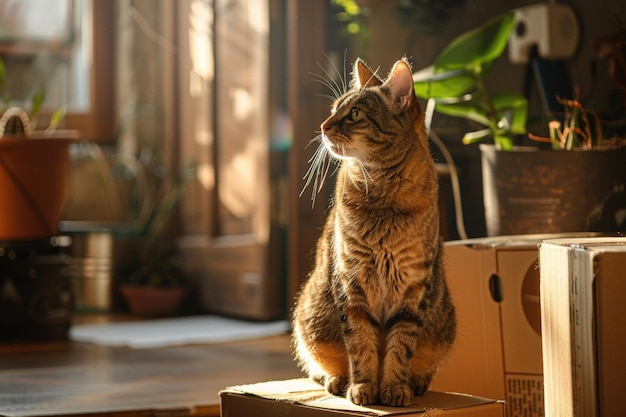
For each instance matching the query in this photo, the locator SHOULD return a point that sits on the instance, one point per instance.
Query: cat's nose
(327, 125)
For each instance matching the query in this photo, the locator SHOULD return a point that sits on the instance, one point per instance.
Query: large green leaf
(470, 54)
(428, 84)
(455, 83)
(479, 46)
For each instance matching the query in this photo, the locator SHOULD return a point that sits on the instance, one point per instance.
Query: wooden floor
(83, 379)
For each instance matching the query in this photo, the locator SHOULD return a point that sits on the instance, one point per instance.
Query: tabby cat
(374, 319)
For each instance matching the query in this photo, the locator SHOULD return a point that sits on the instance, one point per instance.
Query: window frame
(97, 123)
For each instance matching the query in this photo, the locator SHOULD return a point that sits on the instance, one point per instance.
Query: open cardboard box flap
(299, 397)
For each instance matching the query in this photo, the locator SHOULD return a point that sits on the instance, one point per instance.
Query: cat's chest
(385, 255)
(381, 233)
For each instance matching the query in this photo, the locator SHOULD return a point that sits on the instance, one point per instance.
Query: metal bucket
(91, 271)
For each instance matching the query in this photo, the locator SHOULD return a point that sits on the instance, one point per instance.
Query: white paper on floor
(175, 331)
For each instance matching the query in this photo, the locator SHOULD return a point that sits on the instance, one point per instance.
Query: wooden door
(227, 228)
(249, 108)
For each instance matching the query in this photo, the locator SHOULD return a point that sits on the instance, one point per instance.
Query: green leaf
(37, 101)
(57, 117)
(3, 73)
(503, 142)
(429, 84)
(511, 106)
(479, 46)
(477, 136)
(469, 55)
(473, 109)
(514, 107)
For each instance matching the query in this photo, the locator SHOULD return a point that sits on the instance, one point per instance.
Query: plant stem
(502, 140)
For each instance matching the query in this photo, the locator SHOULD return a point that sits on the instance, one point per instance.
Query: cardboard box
(495, 287)
(303, 397)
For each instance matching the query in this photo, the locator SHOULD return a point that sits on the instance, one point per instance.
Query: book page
(556, 331)
(581, 320)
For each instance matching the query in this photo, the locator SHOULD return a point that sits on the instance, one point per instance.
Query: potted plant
(34, 165)
(154, 283)
(156, 286)
(525, 189)
(455, 84)
(35, 292)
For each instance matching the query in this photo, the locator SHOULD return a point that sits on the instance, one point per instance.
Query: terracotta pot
(153, 301)
(33, 183)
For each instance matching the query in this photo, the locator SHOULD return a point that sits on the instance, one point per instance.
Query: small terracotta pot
(153, 301)
(33, 183)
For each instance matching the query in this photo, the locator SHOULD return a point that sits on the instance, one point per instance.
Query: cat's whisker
(330, 84)
(374, 75)
(346, 83)
(340, 88)
(353, 180)
(313, 166)
(317, 138)
(319, 166)
(327, 164)
(342, 78)
(328, 96)
(366, 175)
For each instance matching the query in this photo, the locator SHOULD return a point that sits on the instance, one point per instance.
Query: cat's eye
(356, 114)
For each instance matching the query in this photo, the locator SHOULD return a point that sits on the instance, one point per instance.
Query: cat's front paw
(336, 385)
(421, 383)
(396, 395)
(362, 393)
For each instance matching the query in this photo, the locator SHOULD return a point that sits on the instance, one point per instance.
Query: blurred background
(196, 117)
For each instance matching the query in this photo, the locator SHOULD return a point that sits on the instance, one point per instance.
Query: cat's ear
(400, 82)
(363, 76)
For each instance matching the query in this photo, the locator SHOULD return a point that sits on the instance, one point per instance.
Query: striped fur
(374, 319)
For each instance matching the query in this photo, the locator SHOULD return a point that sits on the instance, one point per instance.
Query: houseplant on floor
(535, 182)
(155, 283)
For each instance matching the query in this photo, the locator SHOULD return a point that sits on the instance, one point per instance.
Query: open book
(583, 319)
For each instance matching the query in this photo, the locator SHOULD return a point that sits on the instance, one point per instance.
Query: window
(64, 49)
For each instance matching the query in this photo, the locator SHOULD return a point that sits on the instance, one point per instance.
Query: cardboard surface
(303, 397)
